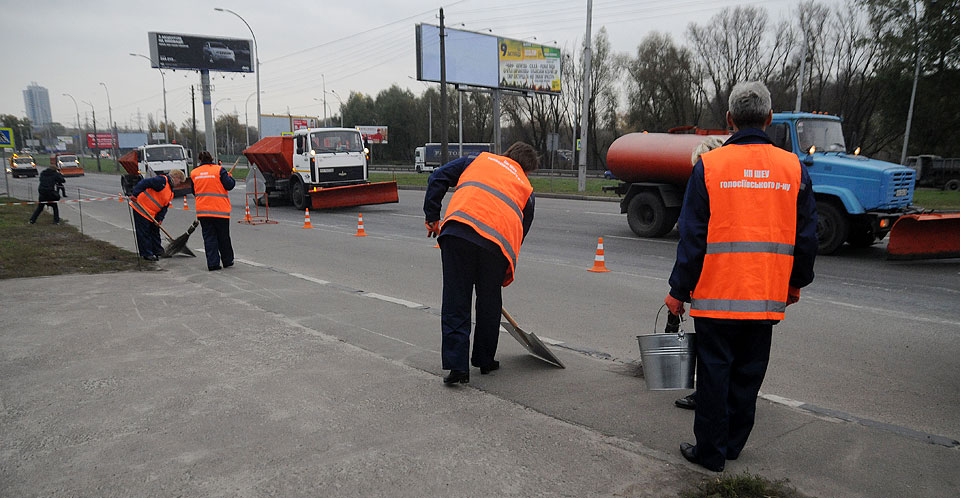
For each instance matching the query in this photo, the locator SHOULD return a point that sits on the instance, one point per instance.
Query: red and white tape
(61, 201)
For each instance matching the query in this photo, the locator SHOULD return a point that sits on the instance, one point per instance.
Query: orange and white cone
(306, 218)
(248, 219)
(120, 197)
(598, 265)
(360, 231)
(185, 207)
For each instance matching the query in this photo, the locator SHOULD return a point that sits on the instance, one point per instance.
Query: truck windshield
(826, 135)
(171, 153)
(336, 141)
(22, 160)
(67, 159)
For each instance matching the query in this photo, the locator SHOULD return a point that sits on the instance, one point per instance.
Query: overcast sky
(70, 46)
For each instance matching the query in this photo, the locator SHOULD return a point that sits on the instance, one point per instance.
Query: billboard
(100, 140)
(178, 51)
(483, 60)
(131, 140)
(375, 134)
(276, 125)
(67, 139)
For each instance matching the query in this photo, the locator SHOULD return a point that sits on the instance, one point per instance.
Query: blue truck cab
(858, 198)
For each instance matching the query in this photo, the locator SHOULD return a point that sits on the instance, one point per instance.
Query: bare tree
(662, 86)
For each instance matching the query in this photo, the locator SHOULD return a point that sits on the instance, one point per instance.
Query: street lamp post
(113, 128)
(324, 83)
(256, 56)
(96, 139)
(163, 81)
(246, 117)
(335, 94)
(916, 76)
(79, 131)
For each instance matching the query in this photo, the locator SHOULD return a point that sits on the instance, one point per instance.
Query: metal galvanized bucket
(669, 360)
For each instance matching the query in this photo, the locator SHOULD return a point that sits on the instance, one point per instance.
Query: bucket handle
(680, 332)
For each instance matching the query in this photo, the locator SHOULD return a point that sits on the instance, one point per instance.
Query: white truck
(318, 168)
(148, 161)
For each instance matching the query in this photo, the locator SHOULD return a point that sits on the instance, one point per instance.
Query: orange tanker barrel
(129, 162)
(654, 157)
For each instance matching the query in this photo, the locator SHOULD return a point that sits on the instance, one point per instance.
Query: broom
(177, 245)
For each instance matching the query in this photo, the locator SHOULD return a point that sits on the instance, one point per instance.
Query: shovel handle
(151, 218)
(509, 318)
(234, 165)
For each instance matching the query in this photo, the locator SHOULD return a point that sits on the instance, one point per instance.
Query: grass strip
(47, 249)
(540, 184)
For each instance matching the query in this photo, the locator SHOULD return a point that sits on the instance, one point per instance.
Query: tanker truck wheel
(648, 217)
(298, 195)
(832, 227)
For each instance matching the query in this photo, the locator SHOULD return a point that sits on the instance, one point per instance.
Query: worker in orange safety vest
(486, 221)
(747, 245)
(210, 186)
(153, 196)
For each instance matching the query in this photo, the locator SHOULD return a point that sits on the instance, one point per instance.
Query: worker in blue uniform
(151, 197)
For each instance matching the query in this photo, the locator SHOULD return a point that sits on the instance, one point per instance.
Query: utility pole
(803, 59)
(96, 138)
(444, 133)
(585, 117)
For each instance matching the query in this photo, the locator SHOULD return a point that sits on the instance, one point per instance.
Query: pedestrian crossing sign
(6, 137)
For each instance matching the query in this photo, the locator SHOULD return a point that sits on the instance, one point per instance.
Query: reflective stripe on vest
(488, 198)
(211, 198)
(752, 191)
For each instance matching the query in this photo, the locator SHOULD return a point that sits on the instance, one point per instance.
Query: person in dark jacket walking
(50, 180)
(153, 196)
(210, 186)
(480, 236)
(747, 245)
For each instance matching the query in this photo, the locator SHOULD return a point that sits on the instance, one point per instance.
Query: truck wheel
(419, 169)
(952, 185)
(298, 195)
(832, 228)
(648, 217)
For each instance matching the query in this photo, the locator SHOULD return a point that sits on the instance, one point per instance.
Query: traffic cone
(185, 207)
(248, 219)
(120, 197)
(306, 218)
(360, 231)
(598, 265)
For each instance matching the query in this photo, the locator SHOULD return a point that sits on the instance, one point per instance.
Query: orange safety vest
(212, 198)
(152, 201)
(752, 191)
(490, 197)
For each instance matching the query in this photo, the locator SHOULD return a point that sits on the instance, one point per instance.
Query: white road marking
(603, 214)
(792, 403)
(887, 312)
(394, 300)
(251, 263)
(305, 277)
(407, 215)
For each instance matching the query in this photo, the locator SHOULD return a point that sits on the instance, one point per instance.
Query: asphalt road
(872, 339)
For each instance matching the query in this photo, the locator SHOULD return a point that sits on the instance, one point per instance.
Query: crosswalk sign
(6, 137)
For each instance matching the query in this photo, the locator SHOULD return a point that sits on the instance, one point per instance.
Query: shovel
(177, 245)
(530, 341)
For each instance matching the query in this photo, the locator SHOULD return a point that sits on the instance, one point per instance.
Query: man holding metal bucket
(747, 245)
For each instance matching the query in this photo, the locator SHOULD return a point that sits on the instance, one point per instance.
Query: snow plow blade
(354, 195)
(925, 236)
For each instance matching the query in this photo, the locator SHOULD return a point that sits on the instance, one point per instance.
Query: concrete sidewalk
(167, 384)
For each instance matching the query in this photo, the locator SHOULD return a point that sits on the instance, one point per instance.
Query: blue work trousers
(732, 358)
(467, 266)
(148, 236)
(216, 240)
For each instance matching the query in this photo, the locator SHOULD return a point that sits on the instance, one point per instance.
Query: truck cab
(148, 161)
(858, 198)
(326, 157)
(67, 164)
(22, 165)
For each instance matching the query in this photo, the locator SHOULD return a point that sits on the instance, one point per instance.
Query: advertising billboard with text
(100, 140)
(375, 134)
(489, 61)
(178, 51)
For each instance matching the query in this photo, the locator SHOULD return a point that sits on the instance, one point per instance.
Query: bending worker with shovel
(151, 197)
(480, 236)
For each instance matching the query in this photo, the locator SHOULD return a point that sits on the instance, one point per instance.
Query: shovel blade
(533, 344)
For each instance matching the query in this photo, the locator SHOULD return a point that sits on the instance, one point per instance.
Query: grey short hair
(749, 104)
(707, 145)
(177, 175)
